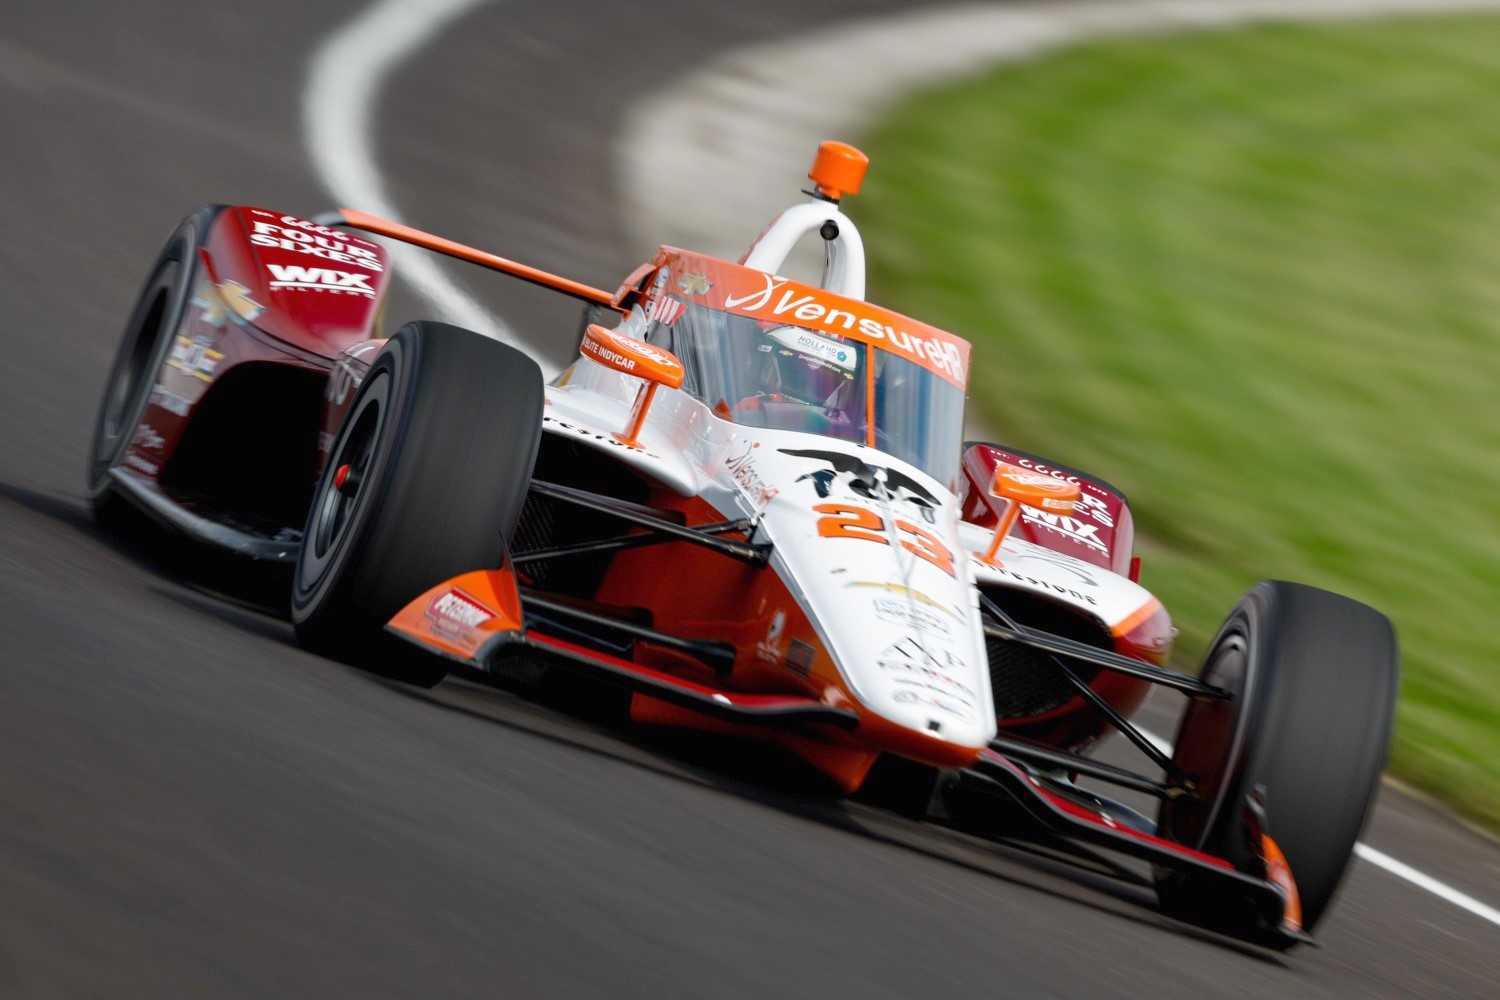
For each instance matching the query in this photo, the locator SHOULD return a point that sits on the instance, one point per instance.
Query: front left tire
(439, 444)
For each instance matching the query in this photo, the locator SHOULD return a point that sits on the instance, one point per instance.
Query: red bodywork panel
(267, 288)
(321, 288)
(1099, 531)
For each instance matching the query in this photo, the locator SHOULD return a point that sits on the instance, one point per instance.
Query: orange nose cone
(838, 169)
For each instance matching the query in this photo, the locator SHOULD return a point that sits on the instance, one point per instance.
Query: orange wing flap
(464, 617)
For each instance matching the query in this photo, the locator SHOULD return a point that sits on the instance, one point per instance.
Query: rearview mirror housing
(1019, 488)
(653, 365)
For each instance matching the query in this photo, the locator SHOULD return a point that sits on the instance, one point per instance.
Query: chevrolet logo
(914, 595)
(694, 284)
(231, 297)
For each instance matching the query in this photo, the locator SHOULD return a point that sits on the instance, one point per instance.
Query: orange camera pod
(838, 169)
(653, 365)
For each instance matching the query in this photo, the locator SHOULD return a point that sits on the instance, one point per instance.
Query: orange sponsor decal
(656, 365)
(631, 356)
(1020, 487)
(745, 291)
(457, 616)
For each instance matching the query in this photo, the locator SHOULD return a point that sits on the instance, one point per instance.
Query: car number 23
(846, 521)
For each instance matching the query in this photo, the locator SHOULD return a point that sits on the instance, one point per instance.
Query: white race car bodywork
(906, 635)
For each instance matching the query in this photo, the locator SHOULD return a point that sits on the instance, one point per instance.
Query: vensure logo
(755, 300)
(804, 308)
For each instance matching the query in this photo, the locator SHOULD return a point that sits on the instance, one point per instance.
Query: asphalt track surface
(192, 806)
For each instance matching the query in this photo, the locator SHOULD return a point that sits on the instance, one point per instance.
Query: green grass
(1253, 278)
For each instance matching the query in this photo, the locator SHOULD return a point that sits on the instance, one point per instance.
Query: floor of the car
(244, 522)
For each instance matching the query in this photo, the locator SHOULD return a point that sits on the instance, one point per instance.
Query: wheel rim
(335, 510)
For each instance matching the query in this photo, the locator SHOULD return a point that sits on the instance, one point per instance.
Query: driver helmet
(792, 365)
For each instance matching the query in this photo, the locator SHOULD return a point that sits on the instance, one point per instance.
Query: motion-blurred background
(1251, 274)
(1248, 272)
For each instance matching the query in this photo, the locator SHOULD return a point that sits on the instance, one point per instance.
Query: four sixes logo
(301, 236)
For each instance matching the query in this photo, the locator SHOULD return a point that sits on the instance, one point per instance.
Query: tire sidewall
(1248, 627)
(317, 575)
(1305, 651)
(176, 260)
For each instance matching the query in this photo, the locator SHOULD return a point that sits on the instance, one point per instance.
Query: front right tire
(439, 441)
(1315, 677)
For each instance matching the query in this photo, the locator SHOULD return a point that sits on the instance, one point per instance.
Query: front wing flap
(476, 617)
(1273, 899)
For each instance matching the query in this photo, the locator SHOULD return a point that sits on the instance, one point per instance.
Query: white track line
(728, 123)
(1397, 868)
(344, 82)
(1432, 885)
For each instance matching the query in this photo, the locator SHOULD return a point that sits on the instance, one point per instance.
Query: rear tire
(441, 439)
(154, 320)
(1315, 677)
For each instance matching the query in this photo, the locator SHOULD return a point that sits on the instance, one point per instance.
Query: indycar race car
(749, 505)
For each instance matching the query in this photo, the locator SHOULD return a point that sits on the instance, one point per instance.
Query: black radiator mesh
(1025, 682)
(535, 532)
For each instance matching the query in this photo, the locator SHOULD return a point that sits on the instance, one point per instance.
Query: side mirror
(1021, 487)
(654, 365)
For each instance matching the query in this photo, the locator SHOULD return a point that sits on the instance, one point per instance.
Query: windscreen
(762, 373)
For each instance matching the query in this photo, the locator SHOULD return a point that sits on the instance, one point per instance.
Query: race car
(749, 506)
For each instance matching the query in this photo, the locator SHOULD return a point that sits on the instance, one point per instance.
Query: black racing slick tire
(153, 322)
(440, 442)
(1315, 678)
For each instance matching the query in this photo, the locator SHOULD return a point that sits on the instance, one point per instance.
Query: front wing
(481, 619)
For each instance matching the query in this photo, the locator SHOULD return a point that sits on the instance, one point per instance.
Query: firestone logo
(456, 615)
(299, 236)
